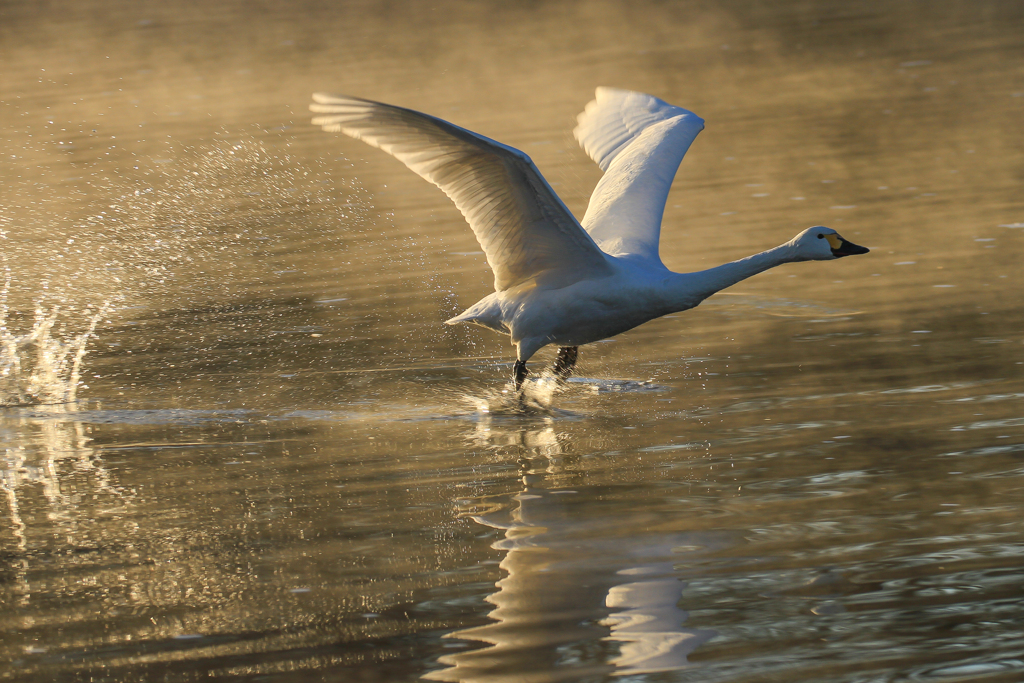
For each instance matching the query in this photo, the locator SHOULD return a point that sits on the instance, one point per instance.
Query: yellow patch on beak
(834, 240)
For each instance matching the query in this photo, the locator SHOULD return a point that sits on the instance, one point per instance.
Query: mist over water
(239, 442)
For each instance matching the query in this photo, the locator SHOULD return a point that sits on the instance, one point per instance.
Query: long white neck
(687, 290)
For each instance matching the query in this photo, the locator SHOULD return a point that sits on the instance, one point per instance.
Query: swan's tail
(477, 317)
(464, 317)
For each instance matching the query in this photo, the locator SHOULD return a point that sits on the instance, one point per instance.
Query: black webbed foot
(519, 373)
(565, 362)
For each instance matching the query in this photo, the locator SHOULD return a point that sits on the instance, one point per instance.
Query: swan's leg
(519, 373)
(565, 362)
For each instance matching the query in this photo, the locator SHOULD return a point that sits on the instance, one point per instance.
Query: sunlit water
(239, 443)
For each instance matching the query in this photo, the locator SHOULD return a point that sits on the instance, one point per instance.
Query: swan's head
(823, 244)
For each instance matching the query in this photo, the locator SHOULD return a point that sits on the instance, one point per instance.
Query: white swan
(557, 280)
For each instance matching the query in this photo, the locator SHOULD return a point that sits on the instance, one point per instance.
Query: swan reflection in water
(583, 592)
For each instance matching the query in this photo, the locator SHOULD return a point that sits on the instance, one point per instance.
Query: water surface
(280, 465)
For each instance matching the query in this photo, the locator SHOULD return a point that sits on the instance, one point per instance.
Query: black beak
(848, 249)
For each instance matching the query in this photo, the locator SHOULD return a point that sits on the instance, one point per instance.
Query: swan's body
(556, 280)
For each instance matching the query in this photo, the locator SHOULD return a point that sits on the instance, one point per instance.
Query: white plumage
(638, 141)
(557, 281)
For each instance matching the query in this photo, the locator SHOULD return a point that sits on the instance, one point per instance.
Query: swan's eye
(820, 236)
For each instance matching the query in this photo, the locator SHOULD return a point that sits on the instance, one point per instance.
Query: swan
(558, 280)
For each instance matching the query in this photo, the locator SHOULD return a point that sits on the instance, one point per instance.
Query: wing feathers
(639, 141)
(614, 119)
(523, 227)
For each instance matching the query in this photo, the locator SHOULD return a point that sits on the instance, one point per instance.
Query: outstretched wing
(638, 141)
(524, 228)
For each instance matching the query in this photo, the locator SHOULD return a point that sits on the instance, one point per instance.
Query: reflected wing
(524, 228)
(638, 141)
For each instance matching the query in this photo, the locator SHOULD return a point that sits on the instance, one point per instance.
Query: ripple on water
(970, 670)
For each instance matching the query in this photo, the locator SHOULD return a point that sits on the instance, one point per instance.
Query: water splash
(538, 395)
(43, 365)
(536, 398)
(180, 227)
(603, 386)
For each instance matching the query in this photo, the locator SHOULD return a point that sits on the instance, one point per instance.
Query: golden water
(280, 464)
